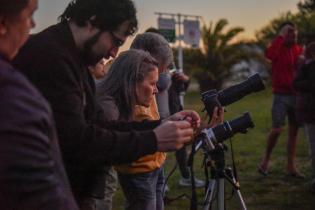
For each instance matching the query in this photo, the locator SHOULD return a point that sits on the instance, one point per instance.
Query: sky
(249, 14)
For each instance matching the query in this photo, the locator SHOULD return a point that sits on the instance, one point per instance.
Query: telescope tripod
(215, 190)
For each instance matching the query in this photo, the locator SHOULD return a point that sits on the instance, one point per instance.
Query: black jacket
(304, 83)
(174, 94)
(31, 172)
(53, 63)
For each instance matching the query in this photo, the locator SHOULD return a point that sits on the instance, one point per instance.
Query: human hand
(180, 76)
(217, 117)
(173, 135)
(188, 115)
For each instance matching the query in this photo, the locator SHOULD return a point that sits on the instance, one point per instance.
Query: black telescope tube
(240, 124)
(222, 132)
(229, 128)
(236, 92)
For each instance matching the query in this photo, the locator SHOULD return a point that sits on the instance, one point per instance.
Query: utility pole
(180, 48)
(179, 22)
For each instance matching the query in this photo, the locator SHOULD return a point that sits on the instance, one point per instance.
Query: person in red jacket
(283, 53)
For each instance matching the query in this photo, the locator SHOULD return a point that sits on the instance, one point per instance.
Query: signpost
(167, 27)
(191, 32)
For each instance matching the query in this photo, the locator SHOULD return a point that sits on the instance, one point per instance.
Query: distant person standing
(304, 83)
(170, 86)
(283, 54)
(180, 83)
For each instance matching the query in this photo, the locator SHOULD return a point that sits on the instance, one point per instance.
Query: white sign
(191, 32)
(167, 28)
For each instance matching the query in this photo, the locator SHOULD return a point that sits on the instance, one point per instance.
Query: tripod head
(211, 137)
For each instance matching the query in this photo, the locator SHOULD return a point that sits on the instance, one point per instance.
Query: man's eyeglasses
(116, 41)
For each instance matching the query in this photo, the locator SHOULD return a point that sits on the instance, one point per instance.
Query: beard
(91, 58)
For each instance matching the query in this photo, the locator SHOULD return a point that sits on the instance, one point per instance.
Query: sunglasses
(117, 42)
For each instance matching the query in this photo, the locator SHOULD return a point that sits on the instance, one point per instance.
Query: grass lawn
(274, 192)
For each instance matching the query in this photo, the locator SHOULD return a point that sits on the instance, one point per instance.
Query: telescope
(213, 98)
(211, 137)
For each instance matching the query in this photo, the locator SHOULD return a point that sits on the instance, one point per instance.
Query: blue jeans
(143, 191)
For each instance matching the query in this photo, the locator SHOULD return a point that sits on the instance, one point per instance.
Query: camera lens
(213, 98)
(236, 92)
(227, 129)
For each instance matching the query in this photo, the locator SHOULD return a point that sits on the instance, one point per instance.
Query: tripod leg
(215, 186)
(221, 201)
(240, 197)
(209, 194)
(232, 179)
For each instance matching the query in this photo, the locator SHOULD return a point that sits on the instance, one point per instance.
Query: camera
(213, 98)
(210, 137)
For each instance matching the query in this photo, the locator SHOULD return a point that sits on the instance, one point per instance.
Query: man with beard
(56, 61)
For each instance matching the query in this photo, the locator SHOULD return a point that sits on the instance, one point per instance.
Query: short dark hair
(12, 7)
(153, 30)
(290, 23)
(106, 15)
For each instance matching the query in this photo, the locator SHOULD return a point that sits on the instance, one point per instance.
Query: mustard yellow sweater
(147, 163)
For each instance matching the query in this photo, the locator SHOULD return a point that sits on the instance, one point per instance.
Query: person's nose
(155, 90)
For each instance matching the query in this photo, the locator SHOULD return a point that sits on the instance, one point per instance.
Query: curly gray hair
(156, 45)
